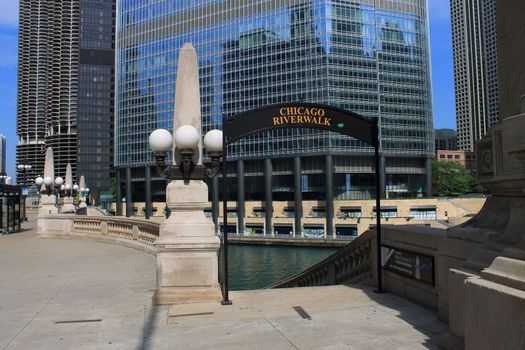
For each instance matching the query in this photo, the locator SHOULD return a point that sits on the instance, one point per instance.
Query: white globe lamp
(186, 136)
(48, 181)
(39, 181)
(59, 181)
(160, 140)
(213, 141)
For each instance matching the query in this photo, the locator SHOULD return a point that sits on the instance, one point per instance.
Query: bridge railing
(350, 264)
(118, 228)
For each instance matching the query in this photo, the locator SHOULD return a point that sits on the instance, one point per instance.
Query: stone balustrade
(350, 264)
(138, 234)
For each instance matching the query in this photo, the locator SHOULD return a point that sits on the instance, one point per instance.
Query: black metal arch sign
(297, 115)
(300, 115)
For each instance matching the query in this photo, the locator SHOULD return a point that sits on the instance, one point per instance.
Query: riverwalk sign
(298, 115)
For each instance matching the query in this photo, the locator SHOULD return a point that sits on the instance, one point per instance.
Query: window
(423, 213)
(350, 213)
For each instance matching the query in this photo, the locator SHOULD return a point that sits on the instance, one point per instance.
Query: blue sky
(440, 43)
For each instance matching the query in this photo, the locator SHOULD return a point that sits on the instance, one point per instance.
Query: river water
(258, 266)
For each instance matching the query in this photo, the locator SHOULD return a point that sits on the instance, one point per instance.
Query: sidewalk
(79, 294)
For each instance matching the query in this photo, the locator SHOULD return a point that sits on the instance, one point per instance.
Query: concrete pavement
(80, 294)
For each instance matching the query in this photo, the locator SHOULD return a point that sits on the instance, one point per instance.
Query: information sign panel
(414, 265)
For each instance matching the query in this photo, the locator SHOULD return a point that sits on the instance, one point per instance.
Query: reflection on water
(256, 266)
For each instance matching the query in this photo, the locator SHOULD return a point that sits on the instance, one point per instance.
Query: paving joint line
(281, 333)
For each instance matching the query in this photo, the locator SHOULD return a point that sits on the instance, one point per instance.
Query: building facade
(475, 69)
(366, 58)
(446, 139)
(66, 87)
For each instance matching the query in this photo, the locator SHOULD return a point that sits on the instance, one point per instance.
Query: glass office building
(367, 56)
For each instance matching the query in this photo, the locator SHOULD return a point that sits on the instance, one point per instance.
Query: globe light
(75, 187)
(186, 136)
(68, 187)
(20, 167)
(82, 189)
(160, 140)
(39, 181)
(62, 188)
(27, 167)
(8, 180)
(48, 181)
(213, 141)
(59, 181)
(87, 189)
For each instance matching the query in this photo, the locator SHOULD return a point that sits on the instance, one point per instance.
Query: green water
(257, 266)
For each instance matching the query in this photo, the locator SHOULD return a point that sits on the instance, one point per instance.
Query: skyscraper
(65, 87)
(475, 68)
(3, 154)
(370, 57)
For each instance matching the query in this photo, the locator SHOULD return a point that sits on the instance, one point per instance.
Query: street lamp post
(187, 232)
(24, 168)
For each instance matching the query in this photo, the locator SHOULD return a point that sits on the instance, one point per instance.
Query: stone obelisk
(82, 185)
(187, 262)
(68, 206)
(47, 198)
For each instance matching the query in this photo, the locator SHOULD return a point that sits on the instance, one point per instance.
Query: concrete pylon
(82, 185)
(68, 206)
(47, 198)
(486, 255)
(187, 262)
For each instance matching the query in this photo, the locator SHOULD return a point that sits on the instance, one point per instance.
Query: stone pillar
(240, 197)
(428, 177)
(118, 194)
(382, 176)
(329, 190)
(187, 261)
(215, 201)
(147, 192)
(298, 196)
(268, 196)
(129, 193)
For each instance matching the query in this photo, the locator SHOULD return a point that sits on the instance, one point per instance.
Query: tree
(450, 179)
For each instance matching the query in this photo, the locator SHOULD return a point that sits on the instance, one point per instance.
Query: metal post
(382, 177)
(147, 193)
(129, 202)
(329, 189)
(240, 197)
(225, 292)
(298, 195)
(268, 196)
(378, 218)
(215, 201)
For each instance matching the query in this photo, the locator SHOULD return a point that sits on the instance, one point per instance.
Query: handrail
(349, 264)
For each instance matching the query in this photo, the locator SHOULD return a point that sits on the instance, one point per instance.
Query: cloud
(9, 13)
(438, 8)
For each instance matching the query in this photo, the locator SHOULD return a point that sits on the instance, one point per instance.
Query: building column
(298, 196)
(329, 189)
(268, 196)
(382, 177)
(118, 195)
(129, 202)
(240, 197)
(147, 192)
(215, 201)
(428, 173)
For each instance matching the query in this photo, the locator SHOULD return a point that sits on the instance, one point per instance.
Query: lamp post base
(187, 262)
